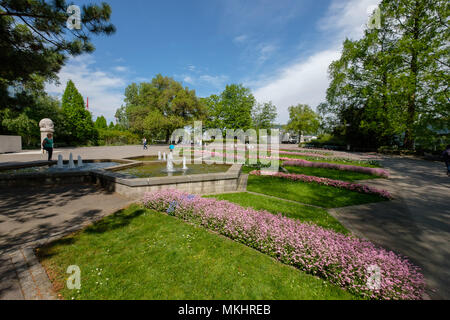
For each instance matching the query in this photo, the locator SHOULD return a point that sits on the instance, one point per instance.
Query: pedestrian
(144, 142)
(446, 156)
(47, 145)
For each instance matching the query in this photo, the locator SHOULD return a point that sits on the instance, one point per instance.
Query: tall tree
(78, 125)
(158, 108)
(394, 81)
(264, 115)
(35, 42)
(303, 120)
(100, 123)
(232, 109)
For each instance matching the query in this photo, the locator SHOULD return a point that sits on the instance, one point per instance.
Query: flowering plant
(343, 260)
(304, 163)
(327, 182)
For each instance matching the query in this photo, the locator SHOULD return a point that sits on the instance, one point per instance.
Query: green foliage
(78, 125)
(158, 108)
(100, 123)
(303, 119)
(232, 109)
(113, 137)
(35, 42)
(393, 82)
(264, 115)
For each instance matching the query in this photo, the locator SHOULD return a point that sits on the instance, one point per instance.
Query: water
(54, 168)
(158, 170)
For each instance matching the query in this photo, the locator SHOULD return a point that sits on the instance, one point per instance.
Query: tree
(35, 42)
(264, 115)
(158, 108)
(78, 125)
(100, 123)
(232, 109)
(303, 120)
(394, 81)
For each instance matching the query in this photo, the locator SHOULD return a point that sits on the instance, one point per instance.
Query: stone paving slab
(415, 224)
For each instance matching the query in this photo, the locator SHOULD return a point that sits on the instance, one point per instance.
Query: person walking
(47, 145)
(144, 142)
(446, 156)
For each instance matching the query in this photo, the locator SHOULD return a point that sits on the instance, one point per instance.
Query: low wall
(10, 144)
(230, 181)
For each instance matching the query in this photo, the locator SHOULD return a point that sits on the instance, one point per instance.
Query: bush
(108, 137)
(327, 141)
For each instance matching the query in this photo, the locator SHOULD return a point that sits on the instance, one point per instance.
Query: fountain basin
(158, 169)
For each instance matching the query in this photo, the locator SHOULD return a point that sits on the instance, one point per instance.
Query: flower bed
(328, 182)
(304, 163)
(343, 260)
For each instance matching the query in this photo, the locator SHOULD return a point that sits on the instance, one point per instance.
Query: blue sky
(280, 49)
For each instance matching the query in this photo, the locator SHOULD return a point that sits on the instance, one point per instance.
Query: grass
(141, 254)
(308, 193)
(331, 173)
(360, 163)
(292, 210)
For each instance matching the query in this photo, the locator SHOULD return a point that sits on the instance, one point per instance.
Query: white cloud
(306, 80)
(121, 69)
(105, 90)
(240, 39)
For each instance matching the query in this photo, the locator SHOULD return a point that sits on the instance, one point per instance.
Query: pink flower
(342, 260)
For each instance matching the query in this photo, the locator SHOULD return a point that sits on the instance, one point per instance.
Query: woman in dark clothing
(446, 156)
(47, 145)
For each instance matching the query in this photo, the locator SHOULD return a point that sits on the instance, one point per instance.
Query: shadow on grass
(118, 220)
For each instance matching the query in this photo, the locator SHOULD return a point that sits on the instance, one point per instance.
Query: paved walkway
(31, 216)
(415, 224)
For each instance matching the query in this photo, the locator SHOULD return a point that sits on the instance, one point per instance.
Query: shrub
(117, 137)
(343, 260)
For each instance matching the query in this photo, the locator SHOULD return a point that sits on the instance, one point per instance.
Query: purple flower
(343, 260)
(327, 182)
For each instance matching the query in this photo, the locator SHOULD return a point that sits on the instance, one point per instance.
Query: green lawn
(309, 193)
(361, 163)
(331, 173)
(142, 254)
(303, 213)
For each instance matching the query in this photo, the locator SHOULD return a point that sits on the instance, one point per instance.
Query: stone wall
(10, 144)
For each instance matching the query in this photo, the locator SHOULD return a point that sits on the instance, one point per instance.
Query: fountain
(80, 162)
(164, 156)
(60, 164)
(169, 166)
(71, 164)
(159, 155)
(184, 164)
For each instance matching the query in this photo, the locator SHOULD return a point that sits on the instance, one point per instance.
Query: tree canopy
(303, 120)
(232, 109)
(78, 124)
(158, 108)
(35, 42)
(393, 83)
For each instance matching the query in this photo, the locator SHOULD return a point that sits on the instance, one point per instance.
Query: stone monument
(47, 127)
